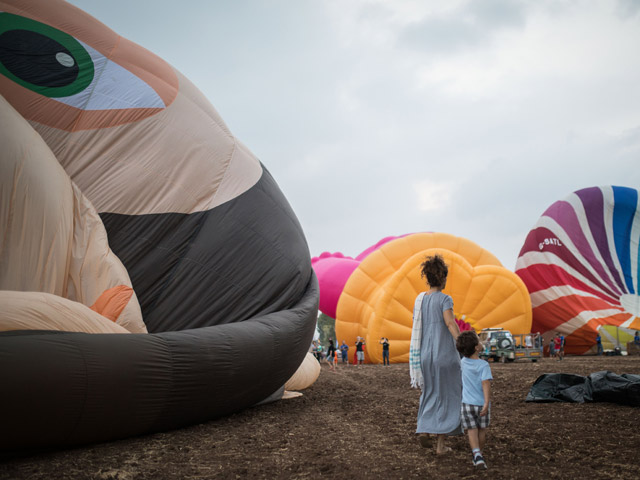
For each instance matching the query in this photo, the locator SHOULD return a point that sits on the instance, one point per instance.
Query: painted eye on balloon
(42, 58)
(54, 64)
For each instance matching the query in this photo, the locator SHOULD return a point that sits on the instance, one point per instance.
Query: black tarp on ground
(604, 386)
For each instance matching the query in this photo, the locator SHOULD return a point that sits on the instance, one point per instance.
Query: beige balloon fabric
(53, 240)
(305, 376)
(120, 177)
(45, 311)
(136, 99)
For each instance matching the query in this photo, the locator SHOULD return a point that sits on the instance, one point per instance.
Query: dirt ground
(359, 423)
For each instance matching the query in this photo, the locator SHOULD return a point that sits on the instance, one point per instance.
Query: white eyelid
(113, 87)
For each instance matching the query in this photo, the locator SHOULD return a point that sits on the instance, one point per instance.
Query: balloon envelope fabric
(150, 181)
(376, 291)
(580, 264)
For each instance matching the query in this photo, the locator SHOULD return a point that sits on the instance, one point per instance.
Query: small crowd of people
(334, 353)
(556, 347)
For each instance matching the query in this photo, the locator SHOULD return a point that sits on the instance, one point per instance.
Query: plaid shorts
(471, 417)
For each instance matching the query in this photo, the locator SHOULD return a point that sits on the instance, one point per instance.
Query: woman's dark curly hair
(435, 271)
(466, 342)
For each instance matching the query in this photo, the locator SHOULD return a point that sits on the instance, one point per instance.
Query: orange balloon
(378, 298)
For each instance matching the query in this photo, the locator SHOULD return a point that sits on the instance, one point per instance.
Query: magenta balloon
(333, 270)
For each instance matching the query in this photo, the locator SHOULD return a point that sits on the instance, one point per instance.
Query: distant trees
(327, 328)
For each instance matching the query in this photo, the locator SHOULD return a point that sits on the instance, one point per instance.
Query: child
(476, 391)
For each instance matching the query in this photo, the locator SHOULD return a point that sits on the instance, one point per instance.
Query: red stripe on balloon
(552, 315)
(540, 277)
(536, 243)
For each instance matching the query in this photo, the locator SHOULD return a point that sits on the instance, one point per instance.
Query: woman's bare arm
(450, 322)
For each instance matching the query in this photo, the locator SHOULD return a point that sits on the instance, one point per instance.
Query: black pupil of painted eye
(37, 59)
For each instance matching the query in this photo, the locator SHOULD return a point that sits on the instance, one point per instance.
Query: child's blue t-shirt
(474, 371)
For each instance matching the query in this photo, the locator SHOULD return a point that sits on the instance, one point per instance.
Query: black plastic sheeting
(603, 386)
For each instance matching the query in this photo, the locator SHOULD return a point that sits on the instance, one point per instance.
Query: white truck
(501, 345)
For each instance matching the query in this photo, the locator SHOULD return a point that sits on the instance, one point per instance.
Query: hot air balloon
(373, 295)
(153, 274)
(580, 263)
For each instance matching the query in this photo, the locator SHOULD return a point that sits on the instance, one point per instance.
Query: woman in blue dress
(438, 365)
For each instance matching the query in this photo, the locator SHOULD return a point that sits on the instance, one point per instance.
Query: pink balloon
(333, 270)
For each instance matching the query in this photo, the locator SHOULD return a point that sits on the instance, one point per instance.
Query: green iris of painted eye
(42, 58)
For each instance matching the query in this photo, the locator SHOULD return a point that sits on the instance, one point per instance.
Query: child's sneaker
(478, 462)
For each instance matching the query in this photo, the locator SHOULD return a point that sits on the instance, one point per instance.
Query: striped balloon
(581, 265)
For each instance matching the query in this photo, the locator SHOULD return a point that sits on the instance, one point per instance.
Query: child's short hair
(466, 342)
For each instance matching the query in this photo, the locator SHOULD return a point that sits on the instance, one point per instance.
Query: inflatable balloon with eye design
(153, 274)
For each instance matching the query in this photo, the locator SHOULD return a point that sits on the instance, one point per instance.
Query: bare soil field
(359, 422)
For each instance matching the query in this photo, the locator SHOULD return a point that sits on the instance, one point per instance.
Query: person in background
(599, 343)
(331, 350)
(385, 350)
(552, 347)
(557, 344)
(314, 349)
(344, 350)
(331, 353)
(434, 362)
(636, 339)
(360, 343)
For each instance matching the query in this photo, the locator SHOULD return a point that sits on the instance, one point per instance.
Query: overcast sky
(384, 117)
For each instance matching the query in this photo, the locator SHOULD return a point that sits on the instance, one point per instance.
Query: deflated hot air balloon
(128, 207)
(372, 295)
(580, 263)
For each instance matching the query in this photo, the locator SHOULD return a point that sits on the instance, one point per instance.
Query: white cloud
(433, 196)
